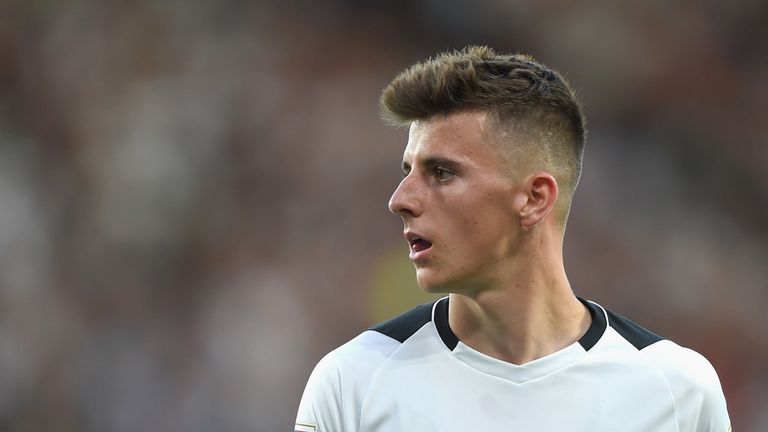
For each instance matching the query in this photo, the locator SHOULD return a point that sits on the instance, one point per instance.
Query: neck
(532, 314)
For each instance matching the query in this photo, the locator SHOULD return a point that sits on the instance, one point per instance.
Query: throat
(517, 332)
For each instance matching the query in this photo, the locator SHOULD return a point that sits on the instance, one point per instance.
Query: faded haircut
(529, 104)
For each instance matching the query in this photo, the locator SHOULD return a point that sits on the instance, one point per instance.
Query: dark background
(193, 194)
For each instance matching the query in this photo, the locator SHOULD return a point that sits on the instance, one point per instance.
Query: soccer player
(492, 161)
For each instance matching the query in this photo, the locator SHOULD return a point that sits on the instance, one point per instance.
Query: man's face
(457, 202)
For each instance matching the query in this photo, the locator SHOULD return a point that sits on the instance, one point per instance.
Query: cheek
(490, 226)
(478, 218)
(490, 210)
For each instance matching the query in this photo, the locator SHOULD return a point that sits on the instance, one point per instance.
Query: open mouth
(419, 244)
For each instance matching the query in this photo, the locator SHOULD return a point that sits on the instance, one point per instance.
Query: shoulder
(637, 335)
(694, 384)
(692, 380)
(684, 368)
(403, 326)
(363, 354)
(338, 384)
(339, 381)
(375, 345)
(682, 365)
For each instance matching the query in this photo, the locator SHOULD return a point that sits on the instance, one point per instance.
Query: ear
(541, 194)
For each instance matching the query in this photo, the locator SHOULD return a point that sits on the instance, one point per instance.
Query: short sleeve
(320, 409)
(334, 394)
(699, 400)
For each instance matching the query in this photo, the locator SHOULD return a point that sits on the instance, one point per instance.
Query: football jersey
(413, 374)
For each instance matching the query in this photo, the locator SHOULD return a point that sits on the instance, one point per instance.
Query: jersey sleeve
(320, 409)
(335, 391)
(699, 400)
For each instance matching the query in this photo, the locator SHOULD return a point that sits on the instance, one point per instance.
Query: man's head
(494, 149)
(532, 110)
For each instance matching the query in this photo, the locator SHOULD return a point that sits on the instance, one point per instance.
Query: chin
(434, 283)
(430, 284)
(433, 289)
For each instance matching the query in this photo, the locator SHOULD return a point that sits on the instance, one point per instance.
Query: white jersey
(412, 374)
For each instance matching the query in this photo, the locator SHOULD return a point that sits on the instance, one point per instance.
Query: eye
(442, 174)
(405, 169)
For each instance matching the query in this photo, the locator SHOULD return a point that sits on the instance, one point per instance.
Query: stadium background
(193, 194)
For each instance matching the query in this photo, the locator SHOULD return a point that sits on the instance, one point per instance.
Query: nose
(404, 201)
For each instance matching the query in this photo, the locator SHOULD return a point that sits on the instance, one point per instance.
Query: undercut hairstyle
(533, 108)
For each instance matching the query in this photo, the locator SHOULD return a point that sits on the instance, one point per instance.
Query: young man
(493, 158)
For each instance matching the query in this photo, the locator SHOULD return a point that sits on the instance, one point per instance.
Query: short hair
(523, 97)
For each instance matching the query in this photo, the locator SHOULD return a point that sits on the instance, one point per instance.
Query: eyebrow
(434, 161)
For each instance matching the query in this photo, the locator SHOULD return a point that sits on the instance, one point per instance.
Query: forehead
(460, 136)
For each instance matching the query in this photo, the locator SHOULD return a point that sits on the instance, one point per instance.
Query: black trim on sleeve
(637, 335)
(404, 326)
(441, 322)
(596, 329)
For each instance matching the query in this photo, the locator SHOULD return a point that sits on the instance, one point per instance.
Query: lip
(417, 256)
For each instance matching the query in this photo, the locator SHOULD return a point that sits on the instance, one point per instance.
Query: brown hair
(523, 97)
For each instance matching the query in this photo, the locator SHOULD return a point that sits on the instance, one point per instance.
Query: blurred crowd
(193, 194)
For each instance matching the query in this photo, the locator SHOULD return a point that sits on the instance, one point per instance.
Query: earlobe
(541, 194)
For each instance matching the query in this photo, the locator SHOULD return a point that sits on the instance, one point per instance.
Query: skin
(496, 244)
